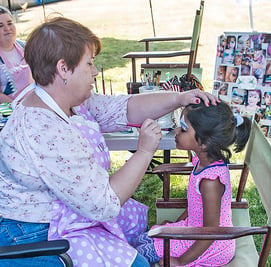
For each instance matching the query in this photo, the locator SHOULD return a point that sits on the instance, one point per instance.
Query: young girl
(209, 132)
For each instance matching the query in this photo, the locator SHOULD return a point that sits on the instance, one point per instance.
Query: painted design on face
(183, 124)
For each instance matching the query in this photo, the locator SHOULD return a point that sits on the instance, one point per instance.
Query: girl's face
(185, 135)
(231, 43)
(223, 41)
(238, 96)
(220, 74)
(265, 130)
(237, 60)
(7, 30)
(253, 98)
(267, 98)
(232, 75)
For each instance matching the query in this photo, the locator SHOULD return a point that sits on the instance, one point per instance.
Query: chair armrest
(43, 248)
(156, 54)
(174, 167)
(184, 167)
(165, 39)
(205, 233)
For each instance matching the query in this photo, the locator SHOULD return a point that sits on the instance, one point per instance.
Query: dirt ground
(131, 19)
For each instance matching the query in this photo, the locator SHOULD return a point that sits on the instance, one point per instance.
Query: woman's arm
(155, 105)
(125, 181)
(211, 191)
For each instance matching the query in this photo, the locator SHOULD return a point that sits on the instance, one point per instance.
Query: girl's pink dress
(220, 252)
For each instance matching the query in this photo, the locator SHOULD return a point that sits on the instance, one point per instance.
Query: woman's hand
(195, 96)
(149, 136)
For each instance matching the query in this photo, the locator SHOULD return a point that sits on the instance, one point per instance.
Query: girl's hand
(195, 96)
(165, 222)
(149, 136)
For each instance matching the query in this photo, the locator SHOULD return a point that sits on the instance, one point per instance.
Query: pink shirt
(18, 69)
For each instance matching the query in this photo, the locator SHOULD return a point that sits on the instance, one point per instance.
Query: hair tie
(238, 119)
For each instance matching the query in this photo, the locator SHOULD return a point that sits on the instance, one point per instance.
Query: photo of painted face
(216, 86)
(231, 74)
(221, 72)
(267, 113)
(244, 43)
(231, 41)
(253, 99)
(267, 98)
(221, 45)
(259, 60)
(245, 70)
(268, 68)
(237, 59)
(223, 90)
(238, 96)
(265, 129)
(228, 56)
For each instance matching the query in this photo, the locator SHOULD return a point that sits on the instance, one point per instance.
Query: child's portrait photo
(221, 72)
(238, 96)
(231, 74)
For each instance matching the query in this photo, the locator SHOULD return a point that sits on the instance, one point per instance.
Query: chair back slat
(258, 159)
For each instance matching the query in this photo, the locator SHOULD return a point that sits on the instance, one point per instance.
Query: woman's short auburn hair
(58, 38)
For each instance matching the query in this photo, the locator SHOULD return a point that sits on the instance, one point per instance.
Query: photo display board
(242, 75)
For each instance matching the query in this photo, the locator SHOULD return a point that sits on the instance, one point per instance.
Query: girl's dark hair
(215, 127)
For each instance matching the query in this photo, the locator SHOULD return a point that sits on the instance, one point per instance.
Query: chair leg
(166, 252)
(265, 249)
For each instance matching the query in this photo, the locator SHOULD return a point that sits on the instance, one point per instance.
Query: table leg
(166, 156)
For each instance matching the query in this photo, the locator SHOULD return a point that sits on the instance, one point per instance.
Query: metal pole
(9, 5)
(152, 19)
(43, 10)
(251, 15)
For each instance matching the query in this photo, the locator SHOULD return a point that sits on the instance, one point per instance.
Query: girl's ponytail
(243, 126)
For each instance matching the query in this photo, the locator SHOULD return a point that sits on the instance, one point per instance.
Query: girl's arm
(183, 216)
(212, 191)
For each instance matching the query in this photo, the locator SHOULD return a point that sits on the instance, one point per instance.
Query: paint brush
(139, 126)
(96, 87)
(130, 86)
(102, 71)
(111, 89)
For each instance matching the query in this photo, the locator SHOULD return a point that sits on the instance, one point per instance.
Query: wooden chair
(257, 161)
(180, 67)
(43, 248)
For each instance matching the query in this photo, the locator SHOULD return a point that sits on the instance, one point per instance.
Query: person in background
(57, 184)
(208, 132)
(15, 74)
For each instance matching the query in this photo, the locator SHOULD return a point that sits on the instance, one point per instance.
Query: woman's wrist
(147, 154)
